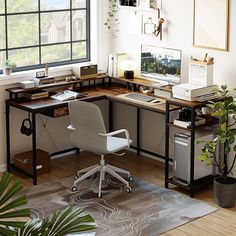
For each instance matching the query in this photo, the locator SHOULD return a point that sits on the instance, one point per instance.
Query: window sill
(16, 77)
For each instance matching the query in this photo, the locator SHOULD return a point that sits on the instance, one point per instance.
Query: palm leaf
(60, 223)
(8, 206)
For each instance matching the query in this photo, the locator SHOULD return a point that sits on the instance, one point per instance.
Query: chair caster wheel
(128, 190)
(76, 177)
(99, 195)
(73, 188)
(130, 178)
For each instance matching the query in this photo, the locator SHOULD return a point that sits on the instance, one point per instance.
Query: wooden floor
(222, 222)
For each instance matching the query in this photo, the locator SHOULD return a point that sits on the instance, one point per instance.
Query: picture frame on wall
(148, 26)
(211, 24)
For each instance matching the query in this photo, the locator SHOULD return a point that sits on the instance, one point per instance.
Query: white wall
(178, 33)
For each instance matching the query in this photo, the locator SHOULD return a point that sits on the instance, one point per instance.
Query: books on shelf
(187, 124)
(44, 80)
(35, 94)
(114, 61)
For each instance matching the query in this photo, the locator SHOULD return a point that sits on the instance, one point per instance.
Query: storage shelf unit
(193, 184)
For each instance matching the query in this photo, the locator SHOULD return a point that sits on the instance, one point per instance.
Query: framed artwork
(211, 24)
(148, 26)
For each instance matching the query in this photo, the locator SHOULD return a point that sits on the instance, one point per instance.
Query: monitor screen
(161, 64)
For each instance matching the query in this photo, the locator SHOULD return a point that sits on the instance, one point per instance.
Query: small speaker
(129, 74)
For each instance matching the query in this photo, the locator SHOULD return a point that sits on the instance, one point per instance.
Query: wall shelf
(136, 8)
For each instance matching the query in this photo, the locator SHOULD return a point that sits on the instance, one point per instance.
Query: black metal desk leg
(138, 131)
(167, 145)
(110, 116)
(8, 137)
(34, 157)
(192, 152)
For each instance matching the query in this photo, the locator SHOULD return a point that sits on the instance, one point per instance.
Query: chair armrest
(71, 128)
(118, 132)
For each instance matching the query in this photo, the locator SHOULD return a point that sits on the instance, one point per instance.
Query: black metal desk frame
(33, 112)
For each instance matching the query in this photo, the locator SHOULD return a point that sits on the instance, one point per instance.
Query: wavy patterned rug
(148, 210)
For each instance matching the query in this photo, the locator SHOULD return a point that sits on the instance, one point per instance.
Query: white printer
(194, 92)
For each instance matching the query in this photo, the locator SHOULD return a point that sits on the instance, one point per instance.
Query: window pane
(2, 34)
(55, 4)
(79, 50)
(79, 25)
(2, 6)
(2, 58)
(23, 30)
(78, 3)
(55, 53)
(22, 5)
(24, 57)
(55, 27)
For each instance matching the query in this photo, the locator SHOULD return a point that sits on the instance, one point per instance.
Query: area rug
(148, 210)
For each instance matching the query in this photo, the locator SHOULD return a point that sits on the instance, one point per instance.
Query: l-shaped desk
(107, 88)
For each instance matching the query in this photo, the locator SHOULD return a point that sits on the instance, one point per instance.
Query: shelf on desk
(56, 84)
(144, 82)
(199, 183)
(214, 122)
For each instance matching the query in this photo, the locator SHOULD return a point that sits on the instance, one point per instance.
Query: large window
(35, 32)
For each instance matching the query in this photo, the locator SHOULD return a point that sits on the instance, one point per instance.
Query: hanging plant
(112, 21)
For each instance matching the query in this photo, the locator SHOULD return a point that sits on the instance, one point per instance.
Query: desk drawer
(58, 112)
(24, 161)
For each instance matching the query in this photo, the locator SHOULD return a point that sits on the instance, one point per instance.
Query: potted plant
(224, 138)
(9, 66)
(72, 219)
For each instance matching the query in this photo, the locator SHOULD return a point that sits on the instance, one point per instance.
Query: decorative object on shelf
(112, 22)
(224, 135)
(74, 219)
(201, 71)
(114, 64)
(158, 29)
(9, 66)
(131, 3)
(40, 74)
(211, 24)
(144, 3)
(128, 66)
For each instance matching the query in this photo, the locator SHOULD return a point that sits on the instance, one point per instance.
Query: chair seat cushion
(115, 144)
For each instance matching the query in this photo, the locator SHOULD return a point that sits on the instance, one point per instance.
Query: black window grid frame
(39, 46)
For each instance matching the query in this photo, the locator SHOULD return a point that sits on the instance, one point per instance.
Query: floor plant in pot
(15, 221)
(224, 138)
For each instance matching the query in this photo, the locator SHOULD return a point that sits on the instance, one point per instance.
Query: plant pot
(225, 191)
(7, 71)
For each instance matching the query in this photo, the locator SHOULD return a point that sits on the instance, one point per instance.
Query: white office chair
(88, 133)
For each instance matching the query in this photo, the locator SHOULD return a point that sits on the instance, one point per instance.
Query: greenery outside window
(35, 32)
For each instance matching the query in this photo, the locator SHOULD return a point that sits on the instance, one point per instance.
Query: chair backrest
(87, 118)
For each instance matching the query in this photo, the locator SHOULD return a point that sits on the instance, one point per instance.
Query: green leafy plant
(112, 22)
(224, 135)
(10, 65)
(61, 222)
(8, 206)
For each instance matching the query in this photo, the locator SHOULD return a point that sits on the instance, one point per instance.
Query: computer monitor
(161, 64)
